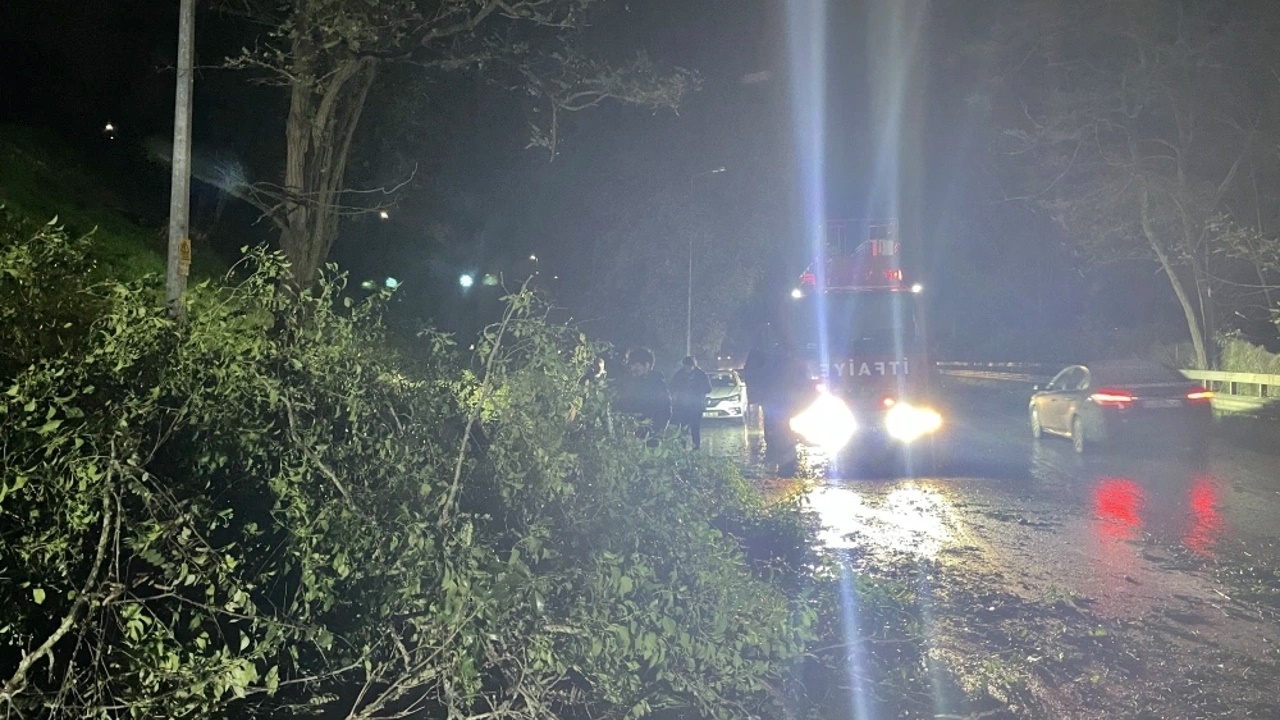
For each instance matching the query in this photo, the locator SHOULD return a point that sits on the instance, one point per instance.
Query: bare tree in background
(1132, 124)
(327, 54)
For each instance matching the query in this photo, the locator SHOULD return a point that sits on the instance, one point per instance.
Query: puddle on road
(911, 519)
(1087, 586)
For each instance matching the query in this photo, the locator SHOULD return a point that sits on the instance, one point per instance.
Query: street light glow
(109, 128)
(797, 293)
(917, 288)
(466, 280)
(384, 214)
(533, 258)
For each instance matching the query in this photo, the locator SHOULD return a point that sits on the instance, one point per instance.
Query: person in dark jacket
(689, 389)
(642, 392)
(777, 378)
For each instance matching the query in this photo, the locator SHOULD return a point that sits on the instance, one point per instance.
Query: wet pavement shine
(1133, 583)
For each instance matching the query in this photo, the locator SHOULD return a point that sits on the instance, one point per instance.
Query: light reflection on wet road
(1140, 537)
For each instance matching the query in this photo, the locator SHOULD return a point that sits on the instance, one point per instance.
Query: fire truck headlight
(827, 423)
(909, 423)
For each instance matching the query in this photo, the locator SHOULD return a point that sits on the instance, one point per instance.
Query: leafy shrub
(1240, 355)
(265, 509)
(47, 297)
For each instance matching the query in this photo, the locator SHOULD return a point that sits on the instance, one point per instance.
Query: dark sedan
(1104, 402)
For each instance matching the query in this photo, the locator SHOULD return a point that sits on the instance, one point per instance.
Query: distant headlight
(909, 423)
(827, 423)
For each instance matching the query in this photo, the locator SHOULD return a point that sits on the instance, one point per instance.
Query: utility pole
(179, 264)
(688, 322)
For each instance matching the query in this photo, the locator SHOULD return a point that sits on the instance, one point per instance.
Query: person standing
(689, 389)
(642, 393)
(776, 376)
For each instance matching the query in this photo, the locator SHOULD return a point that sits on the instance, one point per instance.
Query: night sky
(480, 200)
(70, 66)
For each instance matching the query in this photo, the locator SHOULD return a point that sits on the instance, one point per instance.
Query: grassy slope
(41, 178)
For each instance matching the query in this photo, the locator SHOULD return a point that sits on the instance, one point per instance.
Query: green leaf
(37, 594)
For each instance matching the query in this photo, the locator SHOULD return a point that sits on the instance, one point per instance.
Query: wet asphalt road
(1175, 562)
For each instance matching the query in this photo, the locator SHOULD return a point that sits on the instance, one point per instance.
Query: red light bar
(893, 275)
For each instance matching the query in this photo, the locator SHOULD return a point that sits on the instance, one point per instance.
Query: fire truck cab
(859, 325)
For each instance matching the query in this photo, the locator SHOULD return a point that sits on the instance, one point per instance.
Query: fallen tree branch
(16, 682)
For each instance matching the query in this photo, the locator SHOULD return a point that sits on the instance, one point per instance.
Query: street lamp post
(688, 322)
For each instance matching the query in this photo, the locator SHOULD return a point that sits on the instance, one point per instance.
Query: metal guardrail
(1238, 392)
(1233, 392)
(1006, 376)
(1006, 372)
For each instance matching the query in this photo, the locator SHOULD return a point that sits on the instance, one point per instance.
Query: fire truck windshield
(860, 322)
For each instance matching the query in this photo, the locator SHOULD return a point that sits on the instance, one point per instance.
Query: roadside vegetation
(264, 508)
(1237, 354)
(277, 508)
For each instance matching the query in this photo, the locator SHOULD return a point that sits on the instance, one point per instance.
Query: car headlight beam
(827, 422)
(908, 423)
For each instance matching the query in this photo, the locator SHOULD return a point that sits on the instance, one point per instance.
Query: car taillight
(1201, 396)
(888, 402)
(1109, 397)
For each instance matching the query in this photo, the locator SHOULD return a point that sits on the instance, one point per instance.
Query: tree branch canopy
(1134, 129)
(326, 55)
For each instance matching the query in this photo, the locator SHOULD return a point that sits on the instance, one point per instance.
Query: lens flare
(807, 46)
(908, 423)
(827, 423)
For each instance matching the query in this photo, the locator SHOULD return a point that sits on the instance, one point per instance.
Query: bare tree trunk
(1258, 225)
(1188, 308)
(323, 115)
(297, 215)
(1204, 293)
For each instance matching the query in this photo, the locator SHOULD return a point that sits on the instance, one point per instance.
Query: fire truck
(858, 323)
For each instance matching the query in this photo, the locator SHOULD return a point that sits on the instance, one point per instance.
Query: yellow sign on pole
(184, 257)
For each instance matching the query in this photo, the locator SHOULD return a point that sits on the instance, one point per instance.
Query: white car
(728, 398)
